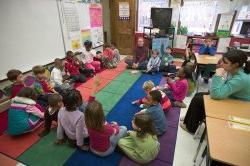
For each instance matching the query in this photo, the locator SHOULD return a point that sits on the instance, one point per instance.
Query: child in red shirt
(103, 136)
(16, 77)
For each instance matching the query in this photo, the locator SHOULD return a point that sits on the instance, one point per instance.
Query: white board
(30, 34)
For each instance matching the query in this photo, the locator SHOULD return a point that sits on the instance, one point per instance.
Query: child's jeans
(95, 66)
(113, 142)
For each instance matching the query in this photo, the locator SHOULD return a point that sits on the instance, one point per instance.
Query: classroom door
(123, 30)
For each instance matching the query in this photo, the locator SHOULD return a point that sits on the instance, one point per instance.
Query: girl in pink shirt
(103, 136)
(178, 89)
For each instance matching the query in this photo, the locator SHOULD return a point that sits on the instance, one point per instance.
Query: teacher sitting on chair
(230, 81)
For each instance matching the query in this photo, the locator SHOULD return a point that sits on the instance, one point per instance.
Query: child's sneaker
(135, 102)
(141, 106)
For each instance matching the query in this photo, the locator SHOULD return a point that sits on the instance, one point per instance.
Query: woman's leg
(195, 113)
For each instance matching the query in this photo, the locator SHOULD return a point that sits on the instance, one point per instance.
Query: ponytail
(247, 67)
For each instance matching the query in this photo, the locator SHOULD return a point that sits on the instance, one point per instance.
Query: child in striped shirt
(153, 63)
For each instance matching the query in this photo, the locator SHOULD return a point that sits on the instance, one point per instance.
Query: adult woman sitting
(230, 81)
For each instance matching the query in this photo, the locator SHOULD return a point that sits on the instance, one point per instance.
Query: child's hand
(97, 80)
(84, 147)
(169, 80)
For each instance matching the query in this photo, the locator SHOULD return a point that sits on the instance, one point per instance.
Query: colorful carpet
(117, 92)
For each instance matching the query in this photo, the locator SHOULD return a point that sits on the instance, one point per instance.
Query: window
(199, 16)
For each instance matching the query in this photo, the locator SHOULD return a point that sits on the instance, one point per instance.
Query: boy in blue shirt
(209, 49)
(155, 111)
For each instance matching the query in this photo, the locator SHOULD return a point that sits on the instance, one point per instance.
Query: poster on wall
(97, 36)
(160, 44)
(85, 35)
(95, 12)
(124, 10)
(84, 17)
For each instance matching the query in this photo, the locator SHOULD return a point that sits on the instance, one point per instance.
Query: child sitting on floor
(116, 51)
(56, 77)
(155, 111)
(88, 55)
(55, 102)
(149, 86)
(141, 145)
(167, 61)
(71, 120)
(178, 88)
(153, 63)
(16, 77)
(109, 57)
(103, 136)
(73, 67)
(24, 114)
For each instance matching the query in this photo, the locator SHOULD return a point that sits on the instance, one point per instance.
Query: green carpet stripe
(45, 152)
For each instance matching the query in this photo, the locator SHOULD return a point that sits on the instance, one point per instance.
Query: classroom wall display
(180, 41)
(95, 11)
(160, 44)
(124, 10)
(88, 18)
(97, 36)
(223, 44)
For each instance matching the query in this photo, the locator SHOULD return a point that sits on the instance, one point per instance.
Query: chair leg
(198, 130)
(199, 146)
(203, 155)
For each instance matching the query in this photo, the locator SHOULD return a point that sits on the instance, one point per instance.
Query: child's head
(148, 85)
(155, 53)
(143, 124)
(39, 72)
(168, 50)
(69, 54)
(106, 45)
(55, 101)
(88, 45)
(184, 72)
(28, 92)
(58, 63)
(140, 42)
(94, 116)
(113, 45)
(154, 97)
(71, 100)
(15, 75)
(208, 42)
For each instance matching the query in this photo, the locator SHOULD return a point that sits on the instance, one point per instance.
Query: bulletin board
(81, 21)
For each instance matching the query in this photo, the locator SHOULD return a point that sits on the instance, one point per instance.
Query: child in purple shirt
(71, 121)
(178, 89)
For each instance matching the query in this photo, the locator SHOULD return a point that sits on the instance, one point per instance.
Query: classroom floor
(174, 151)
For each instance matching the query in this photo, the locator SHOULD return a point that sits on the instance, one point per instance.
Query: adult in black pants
(231, 81)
